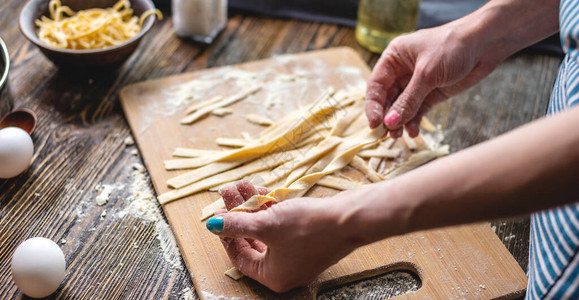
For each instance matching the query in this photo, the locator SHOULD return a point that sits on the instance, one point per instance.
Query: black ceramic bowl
(98, 58)
(5, 101)
(4, 64)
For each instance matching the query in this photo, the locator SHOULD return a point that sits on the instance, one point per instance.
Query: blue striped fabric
(553, 260)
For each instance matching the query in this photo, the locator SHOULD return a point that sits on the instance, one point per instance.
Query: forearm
(529, 169)
(503, 27)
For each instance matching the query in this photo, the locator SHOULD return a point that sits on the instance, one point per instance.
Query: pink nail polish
(392, 119)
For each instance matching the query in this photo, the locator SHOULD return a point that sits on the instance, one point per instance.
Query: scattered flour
(129, 141)
(433, 139)
(285, 79)
(209, 296)
(143, 205)
(349, 70)
(180, 96)
(187, 294)
(70, 192)
(509, 237)
(284, 59)
(104, 193)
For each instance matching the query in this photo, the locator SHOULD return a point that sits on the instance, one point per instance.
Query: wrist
(372, 213)
(502, 27)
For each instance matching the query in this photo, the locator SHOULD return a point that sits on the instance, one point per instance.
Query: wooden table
(81, 143)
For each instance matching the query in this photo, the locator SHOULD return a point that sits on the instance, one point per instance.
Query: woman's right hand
(421, 69)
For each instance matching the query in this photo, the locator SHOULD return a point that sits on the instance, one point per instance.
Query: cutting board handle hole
(383, 286)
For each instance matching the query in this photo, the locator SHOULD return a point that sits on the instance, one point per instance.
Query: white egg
(16, 151)
(38, 267)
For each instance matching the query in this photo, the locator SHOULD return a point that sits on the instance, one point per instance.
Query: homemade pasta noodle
(93, 28)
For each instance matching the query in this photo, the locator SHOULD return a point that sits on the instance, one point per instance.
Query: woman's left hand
(284, 246)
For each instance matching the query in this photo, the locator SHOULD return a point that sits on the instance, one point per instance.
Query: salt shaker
(200, 20)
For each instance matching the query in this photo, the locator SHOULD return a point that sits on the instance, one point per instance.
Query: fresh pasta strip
(258, 178)
(297, 173)
(292, 117)
(272, 176)
(346, 152)
(272, 143)
(234, 274)
(209, 210)
(246, 136)
(238, 173)
(294, 168)
(359, 164)
(189, 152)
(312, 155)
(374, 163)
(387, 144)
(409, 141)
(231, 142)
(200, 104)
(200, 173)
(196, 162)
(337, 130)
(383, 153)
(321, 113)
(316, 166)
(225, 102)
(316, 137)
(338, 183)
(259, 120)
(427, 125)
(418, 159)
(223, 111)
(421, 141)
(345, 122)
(93, 28)
(360, 123)
(286, 139)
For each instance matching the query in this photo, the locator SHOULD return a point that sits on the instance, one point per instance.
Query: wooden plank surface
(79, 144)
(451, 262)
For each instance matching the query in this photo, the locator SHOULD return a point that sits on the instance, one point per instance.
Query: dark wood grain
(79, 144)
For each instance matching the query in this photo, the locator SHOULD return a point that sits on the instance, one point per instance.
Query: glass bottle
(200, 20)
(380, 21)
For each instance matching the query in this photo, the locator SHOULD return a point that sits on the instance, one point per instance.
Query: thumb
(409, 102)
(237, 225)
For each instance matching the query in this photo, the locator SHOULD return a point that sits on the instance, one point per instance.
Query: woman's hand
(419, 70)
(284, 246)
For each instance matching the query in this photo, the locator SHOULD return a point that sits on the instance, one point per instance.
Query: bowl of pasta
(87, 33)
(5, 99)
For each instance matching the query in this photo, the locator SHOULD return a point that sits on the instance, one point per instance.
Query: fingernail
(399, 132)
(392, 119)
(215, 224)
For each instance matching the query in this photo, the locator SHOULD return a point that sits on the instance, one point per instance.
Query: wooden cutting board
(456, 262)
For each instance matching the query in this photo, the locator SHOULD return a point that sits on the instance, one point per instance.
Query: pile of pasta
(304, 148)
(307, 147)
(93, 28)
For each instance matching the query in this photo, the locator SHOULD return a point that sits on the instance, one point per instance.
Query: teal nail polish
(215, 224)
